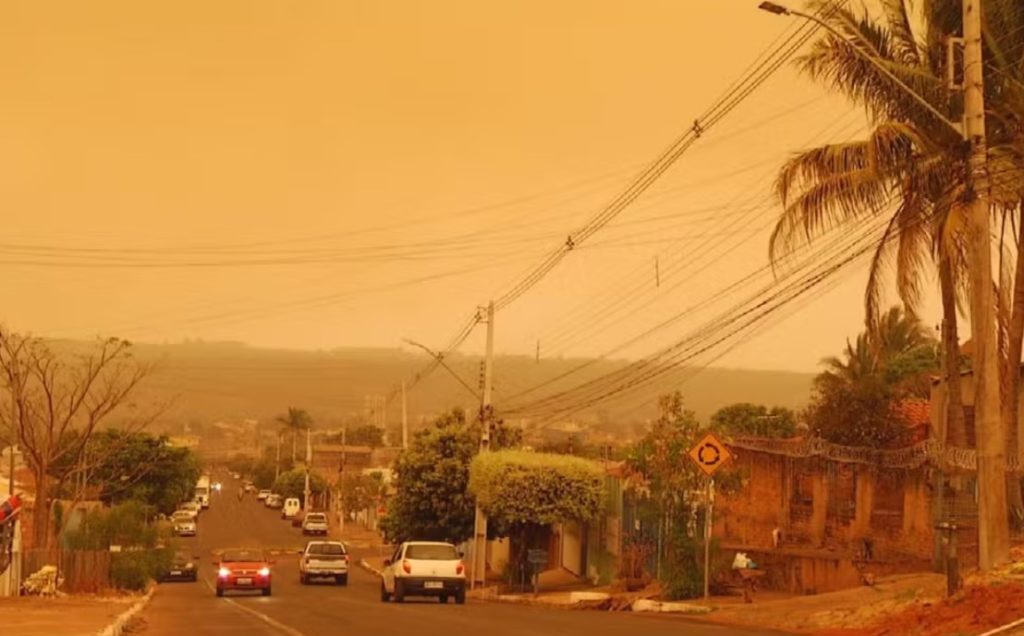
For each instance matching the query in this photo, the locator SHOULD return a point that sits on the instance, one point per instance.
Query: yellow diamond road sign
(709, 454)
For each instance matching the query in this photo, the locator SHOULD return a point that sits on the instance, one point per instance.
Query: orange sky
(254, 129)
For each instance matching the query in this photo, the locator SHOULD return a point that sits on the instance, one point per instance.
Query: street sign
(709, 454)
(537, 557)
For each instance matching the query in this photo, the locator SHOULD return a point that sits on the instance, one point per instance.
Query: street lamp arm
(440, 360)
(780, 10)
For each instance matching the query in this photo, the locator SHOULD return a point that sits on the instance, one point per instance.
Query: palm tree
(911, 167)
(293, 422)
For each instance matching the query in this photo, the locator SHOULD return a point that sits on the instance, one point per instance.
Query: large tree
(856, 397)
(293, 422)
(56, 401)
(912, 170)
(744, 418)
(431, 498)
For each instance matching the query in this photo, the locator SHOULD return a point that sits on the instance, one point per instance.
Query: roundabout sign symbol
(709, 454)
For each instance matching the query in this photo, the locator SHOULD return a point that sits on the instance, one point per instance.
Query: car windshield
(430, 552)
(317, 518)
(326, 548)
(242, 555)
(182, 557)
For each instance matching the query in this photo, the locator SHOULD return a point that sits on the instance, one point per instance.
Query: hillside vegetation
(205, 382)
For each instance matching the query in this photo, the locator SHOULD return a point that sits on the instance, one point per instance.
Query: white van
(291, 508)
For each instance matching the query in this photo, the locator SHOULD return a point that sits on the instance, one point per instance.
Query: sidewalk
(63, 616)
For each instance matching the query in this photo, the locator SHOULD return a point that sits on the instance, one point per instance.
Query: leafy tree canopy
(432, 501)
(754, 419)
(293, 484)
(516, 487)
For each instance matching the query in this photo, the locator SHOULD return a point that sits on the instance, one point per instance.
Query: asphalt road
(296, 610)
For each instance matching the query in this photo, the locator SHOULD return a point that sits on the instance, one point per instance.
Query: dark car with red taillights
(244, 569)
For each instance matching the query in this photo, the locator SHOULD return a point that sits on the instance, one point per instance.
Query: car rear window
(317, 518)
(242, 555)
(431, 552)
(327, 549)
(182, 516)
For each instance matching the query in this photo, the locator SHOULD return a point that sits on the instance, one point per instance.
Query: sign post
(709, 454)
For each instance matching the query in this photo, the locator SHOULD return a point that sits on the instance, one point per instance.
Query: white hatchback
(424, 568)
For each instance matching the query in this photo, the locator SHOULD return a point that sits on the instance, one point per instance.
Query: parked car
(273, 501)
(315, 523)
(263, 494)
(191, 507)
(183, 523)
(249, 486)
(290, 508)
(182, 568)
(244, 569)
(324, 559)
(424, 568)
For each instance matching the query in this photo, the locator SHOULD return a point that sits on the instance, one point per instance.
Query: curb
(369, 568)
(117, 627)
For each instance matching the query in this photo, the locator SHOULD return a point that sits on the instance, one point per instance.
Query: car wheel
(303, 579)
(341, 580)
(265, 591)
(384, 596)
(399, 592)
(443, 598)
(460, 597)
(220, 592)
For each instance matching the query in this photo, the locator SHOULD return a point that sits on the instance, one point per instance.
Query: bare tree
(57, 401)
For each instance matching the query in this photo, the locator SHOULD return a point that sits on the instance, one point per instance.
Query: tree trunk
(41, 510)
(1011, 377)
(956, 431)
(294, 438)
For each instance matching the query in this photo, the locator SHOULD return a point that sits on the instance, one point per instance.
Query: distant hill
(207, 382)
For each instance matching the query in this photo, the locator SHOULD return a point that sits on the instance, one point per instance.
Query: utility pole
(993, 517)
(405, 419)
(344, 446)
(480, 524)
(309, 460)
(277, 464)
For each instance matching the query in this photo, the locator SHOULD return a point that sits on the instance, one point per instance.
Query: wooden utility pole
(480, 523)
(993, 517)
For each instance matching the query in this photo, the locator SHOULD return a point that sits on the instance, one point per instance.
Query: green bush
(519, 487)
(133, 570)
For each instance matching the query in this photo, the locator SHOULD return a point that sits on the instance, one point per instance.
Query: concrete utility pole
(480, 524)
(341, 507)
(993, 517)
(405, 419)
(277, 464)
(309, 460)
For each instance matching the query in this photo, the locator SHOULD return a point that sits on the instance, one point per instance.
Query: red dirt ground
(975, 610)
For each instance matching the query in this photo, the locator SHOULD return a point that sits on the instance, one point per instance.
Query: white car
(263, 494)
(324, 559)
(424, 568)
(191, 507)
(184, 523)
(315, 523)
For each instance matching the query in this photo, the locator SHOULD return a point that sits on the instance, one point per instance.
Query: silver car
(315, 523)
(184, 524)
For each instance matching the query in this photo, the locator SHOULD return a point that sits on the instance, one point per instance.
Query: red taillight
(347, 558)
(406, 567)
(460, 568)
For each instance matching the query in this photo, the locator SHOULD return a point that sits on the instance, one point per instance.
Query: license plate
(433, 585)
(243, 581)
(176, 572)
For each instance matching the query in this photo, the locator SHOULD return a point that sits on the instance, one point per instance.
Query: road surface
(192, 609)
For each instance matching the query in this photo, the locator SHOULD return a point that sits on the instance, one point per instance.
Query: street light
(778, 9)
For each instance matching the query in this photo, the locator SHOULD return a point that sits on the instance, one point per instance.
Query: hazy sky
(422, 154)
